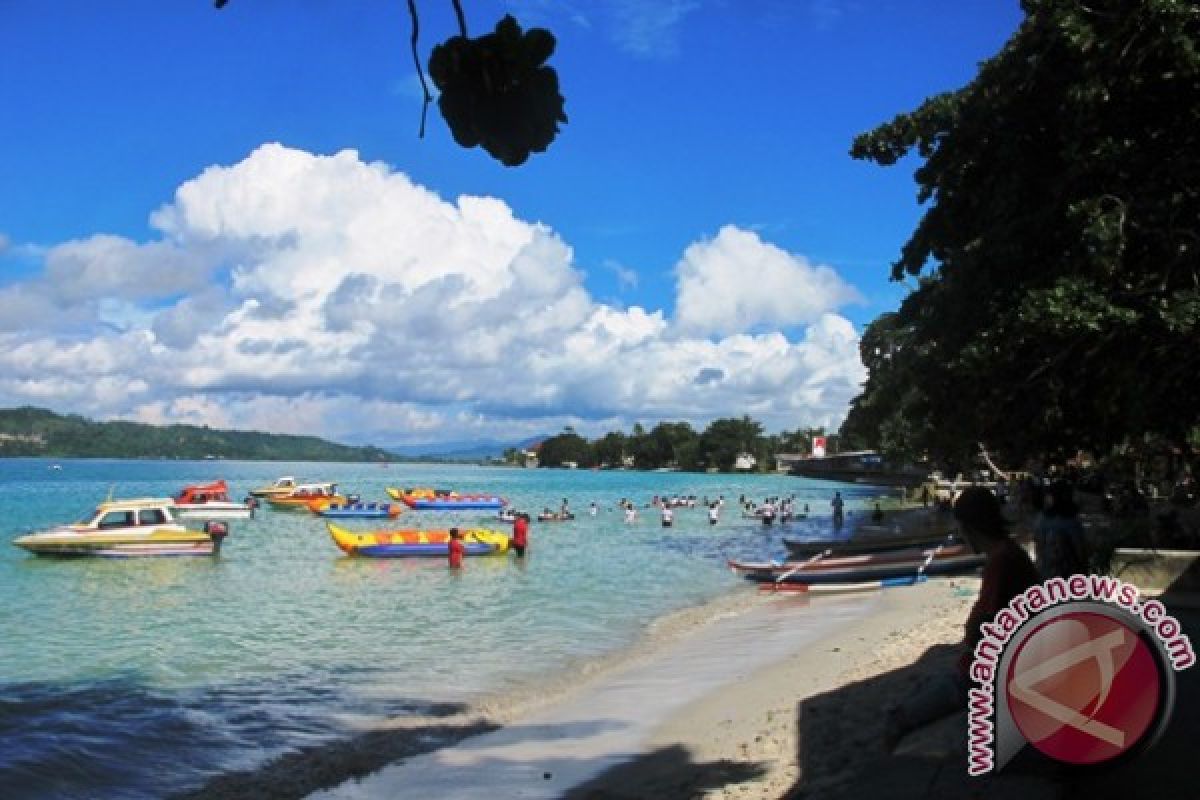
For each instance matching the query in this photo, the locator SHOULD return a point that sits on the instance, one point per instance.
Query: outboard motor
(217, 531)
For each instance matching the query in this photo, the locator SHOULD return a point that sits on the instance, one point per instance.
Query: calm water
(139, 677)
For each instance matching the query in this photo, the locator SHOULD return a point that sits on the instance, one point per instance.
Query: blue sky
(180, 239)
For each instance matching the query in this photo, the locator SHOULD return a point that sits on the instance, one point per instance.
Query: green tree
(723, 439)
(567, 446)
(667, 439)
(1057, 284)
(610, 449)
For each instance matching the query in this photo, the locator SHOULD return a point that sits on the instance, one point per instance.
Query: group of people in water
(782, 509)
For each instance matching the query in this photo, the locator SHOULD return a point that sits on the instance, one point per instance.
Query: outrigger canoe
(827, 560)
(429, 500)
(858, 546)
(953, 565)
(415, 543)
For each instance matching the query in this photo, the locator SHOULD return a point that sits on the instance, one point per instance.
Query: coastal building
(744, 462)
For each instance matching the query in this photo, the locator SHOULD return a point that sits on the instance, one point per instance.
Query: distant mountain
(29, 431)
(477, 450)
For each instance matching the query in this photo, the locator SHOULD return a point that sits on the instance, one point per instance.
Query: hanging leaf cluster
(497, 91)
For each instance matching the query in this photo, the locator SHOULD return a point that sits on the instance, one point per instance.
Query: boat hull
(872, 572)
(291, 503)
(415, 543)
(848, 547)
(214, 511)
(821, 562)
(70, 544)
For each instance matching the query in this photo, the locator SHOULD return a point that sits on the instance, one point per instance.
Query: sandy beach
(699, 710)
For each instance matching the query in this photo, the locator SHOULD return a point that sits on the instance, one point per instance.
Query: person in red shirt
(1007, 573)
(520, 537)
(456, 549)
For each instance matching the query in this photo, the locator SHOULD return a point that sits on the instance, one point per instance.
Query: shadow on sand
(841, 753)
(664, 773)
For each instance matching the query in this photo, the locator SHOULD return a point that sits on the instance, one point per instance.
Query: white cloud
(626, 277)
(110, 266)
(650, 30)
(737, 281)
(321, 294)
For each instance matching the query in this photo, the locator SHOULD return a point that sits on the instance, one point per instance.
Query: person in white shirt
(668, 516)
(630, 514)
(714, 512)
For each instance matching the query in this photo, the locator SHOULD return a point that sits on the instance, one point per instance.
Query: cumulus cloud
(110, 266)
(736, 281)
(323, 294)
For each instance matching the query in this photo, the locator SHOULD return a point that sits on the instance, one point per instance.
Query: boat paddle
(802, 565)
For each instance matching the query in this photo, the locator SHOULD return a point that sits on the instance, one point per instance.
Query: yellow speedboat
(281, 486)
(307, 496)
(123, 528)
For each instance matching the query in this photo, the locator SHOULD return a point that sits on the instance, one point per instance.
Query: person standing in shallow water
(520, 537)
(456, 549)
(838, 505)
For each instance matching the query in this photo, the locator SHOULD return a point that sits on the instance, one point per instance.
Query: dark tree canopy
(1057, 275)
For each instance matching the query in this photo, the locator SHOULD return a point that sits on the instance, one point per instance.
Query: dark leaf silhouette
(498, 93)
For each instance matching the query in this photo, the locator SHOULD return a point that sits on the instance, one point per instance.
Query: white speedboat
(124, 528)
(210, 501)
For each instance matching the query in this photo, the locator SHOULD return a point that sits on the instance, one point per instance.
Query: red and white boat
(209, 501)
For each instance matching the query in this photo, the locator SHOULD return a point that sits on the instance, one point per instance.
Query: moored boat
(126, 528)
(209, 501)
(801, 548)
(439, 500)
(824, 561)
(415, 543)
(953, 565)
(861, 466)
(360, 510)
(306, 495)
(281, 486)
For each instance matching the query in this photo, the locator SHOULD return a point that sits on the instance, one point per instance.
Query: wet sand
(705, 707)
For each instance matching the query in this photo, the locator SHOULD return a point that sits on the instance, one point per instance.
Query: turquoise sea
(138, 678)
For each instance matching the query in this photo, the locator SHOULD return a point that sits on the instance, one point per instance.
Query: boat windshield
(89, 517)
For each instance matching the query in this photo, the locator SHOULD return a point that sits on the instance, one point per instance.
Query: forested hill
(37, 432)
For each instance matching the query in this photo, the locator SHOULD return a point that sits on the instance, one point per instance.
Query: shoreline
(764, 731)
(681, 716)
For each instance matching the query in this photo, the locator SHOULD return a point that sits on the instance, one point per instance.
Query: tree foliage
(724, 439)
(1057, 289)
(565, 447)
(498, 93)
